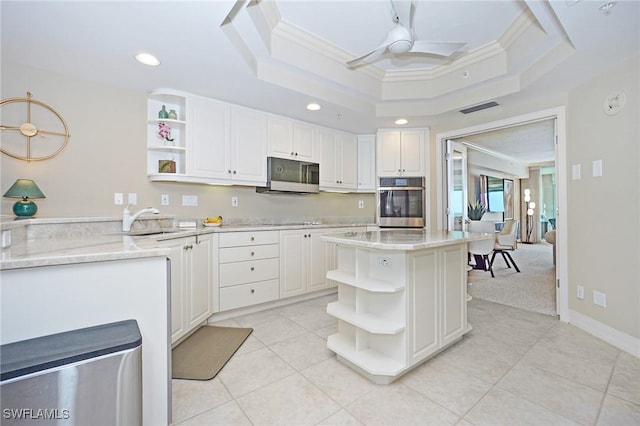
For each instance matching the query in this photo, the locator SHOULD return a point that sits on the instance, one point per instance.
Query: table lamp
(24, 189)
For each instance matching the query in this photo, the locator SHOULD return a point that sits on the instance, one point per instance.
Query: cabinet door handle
(234, 172)
(292, 153)
(252, 254)
(252, 238)
(253, 290)
(252, 268)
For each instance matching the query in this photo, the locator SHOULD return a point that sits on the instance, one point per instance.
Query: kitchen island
(401, 298)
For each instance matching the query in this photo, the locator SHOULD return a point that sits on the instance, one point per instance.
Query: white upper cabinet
(208, 149)
(338, 157)
(224, 143)
(366, 163)
(401, 152)
(248, 160)
(289, 139)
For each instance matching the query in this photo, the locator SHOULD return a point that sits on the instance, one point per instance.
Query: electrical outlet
(164, 199)
(190, 200)
(132, 198)
(580, 292)
(361, 204)
(234, 202)
(599, 299)
(118, 198)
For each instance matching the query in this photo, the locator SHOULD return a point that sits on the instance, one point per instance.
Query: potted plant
(475, 210)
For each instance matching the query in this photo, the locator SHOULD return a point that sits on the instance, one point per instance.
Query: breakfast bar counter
(401, 298)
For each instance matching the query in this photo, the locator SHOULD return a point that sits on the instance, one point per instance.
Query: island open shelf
(401, 298)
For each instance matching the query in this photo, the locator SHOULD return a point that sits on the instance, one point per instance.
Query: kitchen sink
(146, 232)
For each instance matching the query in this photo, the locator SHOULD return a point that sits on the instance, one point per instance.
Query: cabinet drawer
(249, 294)
(248, 272)
(235, 239)
(239, 254)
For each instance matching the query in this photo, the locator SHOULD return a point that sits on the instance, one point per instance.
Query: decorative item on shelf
(475, 210)
(530, 210)
(163, 113)
(25, 189)
(173, 115)
(164, 131)
(166, 166)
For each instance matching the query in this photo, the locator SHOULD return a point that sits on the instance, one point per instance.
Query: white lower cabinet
(191, 282)
(303, 261)
(397, 308)
(248, 268)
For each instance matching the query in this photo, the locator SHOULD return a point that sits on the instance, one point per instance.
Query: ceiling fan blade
(369, 57)
(442, 48)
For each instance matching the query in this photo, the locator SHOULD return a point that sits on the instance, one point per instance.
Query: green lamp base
(25, 208)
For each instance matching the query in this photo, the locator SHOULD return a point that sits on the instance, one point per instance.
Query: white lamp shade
(532, 205)
(530, 212)
(527, 198)
(527, 192)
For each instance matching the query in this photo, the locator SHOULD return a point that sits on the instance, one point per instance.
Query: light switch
(597, 168)
(132, 198)
(118, 198)
(576, 172)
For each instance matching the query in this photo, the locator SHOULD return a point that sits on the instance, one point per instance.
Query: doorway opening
(442, 187)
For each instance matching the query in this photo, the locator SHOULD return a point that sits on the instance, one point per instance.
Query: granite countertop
(403, 239)
(87, 242)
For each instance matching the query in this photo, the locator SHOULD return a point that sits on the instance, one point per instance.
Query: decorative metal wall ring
(30, 130)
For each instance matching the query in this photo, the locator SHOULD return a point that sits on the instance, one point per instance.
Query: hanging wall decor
(23, 138)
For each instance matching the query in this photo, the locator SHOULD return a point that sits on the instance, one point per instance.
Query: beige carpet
(532, 289)
(203, 354)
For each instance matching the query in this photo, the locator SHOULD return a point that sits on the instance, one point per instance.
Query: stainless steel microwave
(291, 176)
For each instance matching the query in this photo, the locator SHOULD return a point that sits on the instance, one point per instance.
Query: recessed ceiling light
(402, 121)
(313, 106)
(465, 74)
(147, 59)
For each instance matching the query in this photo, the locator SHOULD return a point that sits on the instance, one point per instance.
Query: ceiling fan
(400, 40)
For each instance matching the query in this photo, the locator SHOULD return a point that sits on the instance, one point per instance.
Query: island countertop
(404, 239)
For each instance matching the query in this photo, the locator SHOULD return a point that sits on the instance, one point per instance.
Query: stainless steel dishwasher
(86, 376)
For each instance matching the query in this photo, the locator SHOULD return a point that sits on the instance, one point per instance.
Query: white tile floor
(515, 367)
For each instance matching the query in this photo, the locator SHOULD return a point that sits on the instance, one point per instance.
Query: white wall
(604, 212)
(107, 154)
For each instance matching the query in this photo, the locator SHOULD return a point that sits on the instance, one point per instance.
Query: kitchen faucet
(128, 219)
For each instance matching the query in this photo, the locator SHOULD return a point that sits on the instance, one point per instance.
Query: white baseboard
(219, 316)
(602, 331)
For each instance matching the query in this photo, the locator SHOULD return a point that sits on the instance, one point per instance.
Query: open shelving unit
(158, 148)
(371, 311)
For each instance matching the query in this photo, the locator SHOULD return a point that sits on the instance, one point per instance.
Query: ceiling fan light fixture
(400, 46)
(313, 106)
(147, 59)
(401, 121)
(605, 8)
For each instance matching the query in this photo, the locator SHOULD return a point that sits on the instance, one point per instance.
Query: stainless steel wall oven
(401, 202)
